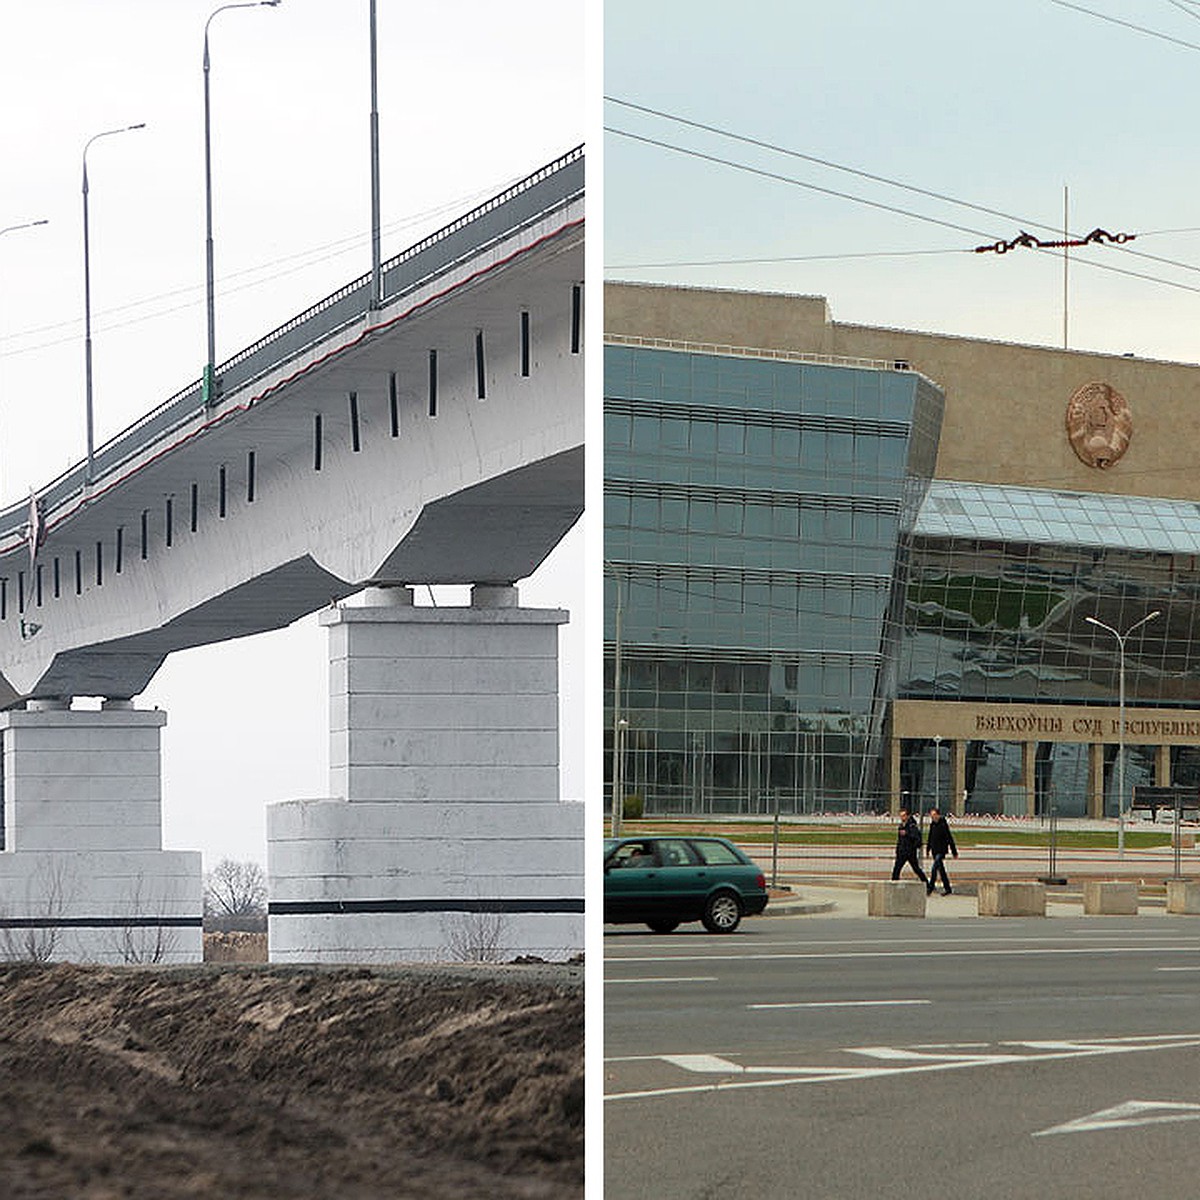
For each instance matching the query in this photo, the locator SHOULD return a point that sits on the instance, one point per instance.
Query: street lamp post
(1121, 639)
(210, 306)
(937, 771)
(376, 256)
(87, 296)
(618, 800)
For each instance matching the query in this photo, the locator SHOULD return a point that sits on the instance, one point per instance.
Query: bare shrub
(476, 936)
(144, 943)
(48, 893)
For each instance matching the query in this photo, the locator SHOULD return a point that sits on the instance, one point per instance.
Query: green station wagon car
(663, 881)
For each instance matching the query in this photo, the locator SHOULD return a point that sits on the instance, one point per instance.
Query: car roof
(611, 843)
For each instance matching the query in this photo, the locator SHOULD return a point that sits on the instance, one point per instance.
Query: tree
(235, 889)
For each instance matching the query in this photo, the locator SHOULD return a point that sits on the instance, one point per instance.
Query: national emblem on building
(1099, 425)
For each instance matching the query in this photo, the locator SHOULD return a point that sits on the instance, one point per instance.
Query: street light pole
(937, 772)
(87, 297)
(1121, 638)
(619, 722)
(618, 804)
(208, 387)
(376, 257)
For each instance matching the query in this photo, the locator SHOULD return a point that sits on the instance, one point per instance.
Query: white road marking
(704, 1062)
(665, 979)
(951, 1046)
(1178, 968)
(1128, 1115)
(1109, 931)
(838, 1003)
(793, 1076)
(901, 1054)
(907, 952)
(712, 1064)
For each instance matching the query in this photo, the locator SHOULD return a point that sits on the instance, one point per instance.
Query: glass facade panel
(1009, 622)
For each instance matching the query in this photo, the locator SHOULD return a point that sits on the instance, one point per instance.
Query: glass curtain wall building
(755, 513)
(863, 567)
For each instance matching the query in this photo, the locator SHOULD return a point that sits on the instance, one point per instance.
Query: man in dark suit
(939, 843)
(908, 847)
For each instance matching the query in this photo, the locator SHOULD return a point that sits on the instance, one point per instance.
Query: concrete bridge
(353, 452)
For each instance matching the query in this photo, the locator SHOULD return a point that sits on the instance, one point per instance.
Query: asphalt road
(978, 1059)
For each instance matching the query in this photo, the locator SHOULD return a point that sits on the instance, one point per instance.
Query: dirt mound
(242, 1081)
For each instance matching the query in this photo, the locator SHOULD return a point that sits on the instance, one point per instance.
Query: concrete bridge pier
(83, 875)
(446, 838)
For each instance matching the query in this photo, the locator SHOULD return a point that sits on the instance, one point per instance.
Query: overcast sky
(472, 96)
(998, 102)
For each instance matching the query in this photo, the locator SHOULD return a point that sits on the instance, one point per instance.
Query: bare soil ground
(243, 1082)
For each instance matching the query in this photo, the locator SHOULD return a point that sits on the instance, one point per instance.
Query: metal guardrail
(530, 199)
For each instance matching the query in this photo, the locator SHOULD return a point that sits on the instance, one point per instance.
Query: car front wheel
(722, 913)
(663, 926)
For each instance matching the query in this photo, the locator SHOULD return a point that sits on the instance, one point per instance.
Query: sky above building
(470, 99)
(1001, 104)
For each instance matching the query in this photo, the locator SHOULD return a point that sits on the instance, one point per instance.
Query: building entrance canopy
(1037, 516)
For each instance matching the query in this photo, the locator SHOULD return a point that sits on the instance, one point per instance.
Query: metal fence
(794, 850)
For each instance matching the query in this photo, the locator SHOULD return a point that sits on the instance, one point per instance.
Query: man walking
(908, 848)
(938, 844)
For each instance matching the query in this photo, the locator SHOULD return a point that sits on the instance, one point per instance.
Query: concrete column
(1162, 766)
(1028, 776)
(444, 837)
(83, 875)
(1096, 780)
(443, 703)
(958, 776)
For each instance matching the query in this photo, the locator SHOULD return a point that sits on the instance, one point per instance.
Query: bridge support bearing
(83, 875)
(447, 839)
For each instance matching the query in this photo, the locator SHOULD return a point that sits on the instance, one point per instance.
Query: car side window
(715, 854)
(634, 854)
(675, 853)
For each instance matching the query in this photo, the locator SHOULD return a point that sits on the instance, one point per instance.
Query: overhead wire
(775, 148)
(788, 258)
(1091, 12)
(302, 260)
(1184, 8)
(822, 162)
(877, 204)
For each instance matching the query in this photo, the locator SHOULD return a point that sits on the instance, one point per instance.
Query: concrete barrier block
(1008, 899)
(895, 898)
(1183, 896)
(1110, 897)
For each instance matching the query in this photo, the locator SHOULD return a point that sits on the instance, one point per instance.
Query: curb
(797, 908)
